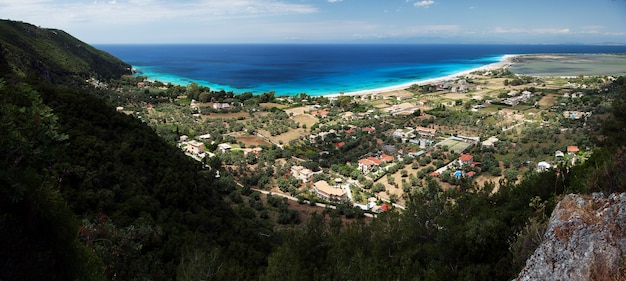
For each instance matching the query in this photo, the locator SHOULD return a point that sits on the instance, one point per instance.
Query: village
(373, 150)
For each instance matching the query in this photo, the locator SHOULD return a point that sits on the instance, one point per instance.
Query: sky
(328, 21)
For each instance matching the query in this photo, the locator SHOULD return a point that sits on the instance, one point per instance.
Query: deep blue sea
(318, 69)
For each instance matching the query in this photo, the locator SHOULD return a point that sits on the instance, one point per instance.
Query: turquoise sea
(319, 69)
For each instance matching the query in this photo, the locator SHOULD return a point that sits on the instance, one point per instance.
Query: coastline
(505, 61)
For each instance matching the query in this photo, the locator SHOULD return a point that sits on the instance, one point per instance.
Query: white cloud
(55, 14)
(532, 30)
(334, 1)
(424, 3)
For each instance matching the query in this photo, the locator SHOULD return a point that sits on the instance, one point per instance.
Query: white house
(223, 147)
(543, 166)
(301, 173)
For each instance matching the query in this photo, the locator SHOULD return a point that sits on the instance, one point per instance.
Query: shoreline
(505, 61)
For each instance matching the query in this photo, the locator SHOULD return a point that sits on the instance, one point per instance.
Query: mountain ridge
(53, 55)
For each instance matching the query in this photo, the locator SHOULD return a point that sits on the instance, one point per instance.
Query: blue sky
(328, 21)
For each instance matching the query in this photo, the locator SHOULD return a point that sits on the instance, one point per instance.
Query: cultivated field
(305, 119)
(252, 141)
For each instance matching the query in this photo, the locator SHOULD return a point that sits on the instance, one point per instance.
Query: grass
(456, 146)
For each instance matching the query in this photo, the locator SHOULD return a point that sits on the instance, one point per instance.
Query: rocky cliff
(585, 240)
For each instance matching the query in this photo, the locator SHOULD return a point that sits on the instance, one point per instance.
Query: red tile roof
(466, 158)
(367, 162)
(386, 158)
(572, 148)
(375, 160)
(341, 144)
(369, 129)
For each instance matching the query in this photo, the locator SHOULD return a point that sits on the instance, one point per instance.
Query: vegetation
(90, 193)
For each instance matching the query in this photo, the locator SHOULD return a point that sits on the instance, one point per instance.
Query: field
(547, 100)
(252, 140)
(286, 137)
(226, 115)
(455, 145)
(305, 119)
(271, 104)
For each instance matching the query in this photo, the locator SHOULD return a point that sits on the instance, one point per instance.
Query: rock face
(585, 240)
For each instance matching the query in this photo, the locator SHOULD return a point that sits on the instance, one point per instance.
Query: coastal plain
(490, 101)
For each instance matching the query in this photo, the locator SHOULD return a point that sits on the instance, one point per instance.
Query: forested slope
(90, 193)
(53, 55)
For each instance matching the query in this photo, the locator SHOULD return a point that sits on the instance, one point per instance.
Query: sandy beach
(506, 61)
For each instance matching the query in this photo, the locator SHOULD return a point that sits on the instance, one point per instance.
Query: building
(466, 159)
(543, 166)
(423, 131)
(324, 190)
(204, 137)
(194, 147)
(386, 158)
(406, 133)
(490, 142)
(370, 130)
(218, 106)
(301, 173)
(348, 115)
(572, 149)
(369, 164)
(322, 113)
(223, 147)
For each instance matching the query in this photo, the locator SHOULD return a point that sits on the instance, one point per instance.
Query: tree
(378, 187)
(510, 175)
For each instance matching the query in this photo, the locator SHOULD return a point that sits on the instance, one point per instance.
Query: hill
(53, 55)
(89, 193)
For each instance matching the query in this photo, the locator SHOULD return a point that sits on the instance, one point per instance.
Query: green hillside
(89, 193)
(53, 55)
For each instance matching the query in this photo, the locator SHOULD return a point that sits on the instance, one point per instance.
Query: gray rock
(585, 240)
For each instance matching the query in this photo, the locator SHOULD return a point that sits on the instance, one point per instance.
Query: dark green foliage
(37, 229)
(73, 165)
(52, 55)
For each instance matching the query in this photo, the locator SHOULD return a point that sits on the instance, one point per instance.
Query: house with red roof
(426, 132)
(466, 159)
(369, 164)
(322, 113)
(572, 149)
(339, 145)
(365, 165)
(386, 158)
(369, 130)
